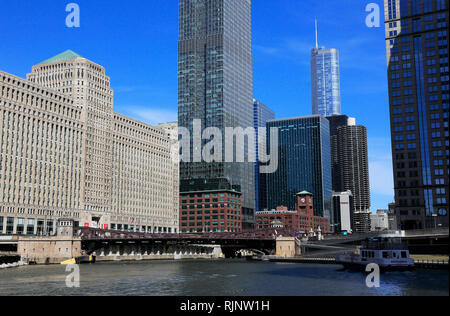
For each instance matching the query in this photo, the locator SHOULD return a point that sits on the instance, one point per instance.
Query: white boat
(388, 256)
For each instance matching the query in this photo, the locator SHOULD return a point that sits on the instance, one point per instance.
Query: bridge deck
(256, 235)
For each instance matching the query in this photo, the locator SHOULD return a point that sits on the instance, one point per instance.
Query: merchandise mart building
(66, 154)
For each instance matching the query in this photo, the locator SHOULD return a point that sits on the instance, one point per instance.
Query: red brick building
(301, 220)
(211, 211)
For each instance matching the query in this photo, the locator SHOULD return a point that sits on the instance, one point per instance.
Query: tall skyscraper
(304, 164)
(215, 84)
(84, 161)
(417, 55)
(87, 83)
(262, 114)
(336, 121)
(350, 163)
(325, 81)
(354, 167)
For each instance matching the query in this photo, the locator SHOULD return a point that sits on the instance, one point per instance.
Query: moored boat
(387, 255)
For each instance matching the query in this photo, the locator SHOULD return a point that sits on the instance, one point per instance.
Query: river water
(217, 278)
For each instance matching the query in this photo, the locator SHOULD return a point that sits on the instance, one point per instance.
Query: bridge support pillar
(286, 247)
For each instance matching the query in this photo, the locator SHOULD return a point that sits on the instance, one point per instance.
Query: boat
(80, 260)
(387, 255)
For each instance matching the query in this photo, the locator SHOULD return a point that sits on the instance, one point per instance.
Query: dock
(419, 264)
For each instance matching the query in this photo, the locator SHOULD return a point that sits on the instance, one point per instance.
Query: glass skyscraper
(417, 53)
(215, 83)
(304, 164)
(261, 114)
(325, 81)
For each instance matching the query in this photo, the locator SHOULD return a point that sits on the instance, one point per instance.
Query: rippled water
(217, 278)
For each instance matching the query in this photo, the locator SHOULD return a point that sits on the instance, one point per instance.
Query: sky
(136, 41)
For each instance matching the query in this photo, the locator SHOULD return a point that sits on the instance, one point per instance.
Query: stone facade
(48, 250)
(286, 247)
(41, 160)
(66, 154)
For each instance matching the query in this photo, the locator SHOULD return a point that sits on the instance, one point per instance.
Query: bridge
(420, 241)
(118, 245)
(108, 241)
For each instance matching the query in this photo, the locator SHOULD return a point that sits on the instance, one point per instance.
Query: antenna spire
(317, 40)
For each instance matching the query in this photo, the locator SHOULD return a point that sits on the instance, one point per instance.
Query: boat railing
(384, 246)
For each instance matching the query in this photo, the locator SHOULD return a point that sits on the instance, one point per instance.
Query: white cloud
(152, 116)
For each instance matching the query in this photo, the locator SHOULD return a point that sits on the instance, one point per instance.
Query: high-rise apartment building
(304, 163)
(354, 165)
(215, 85)
(66, 154)
(418, 70)
(336, 121)
(325, 81)
(262, 114)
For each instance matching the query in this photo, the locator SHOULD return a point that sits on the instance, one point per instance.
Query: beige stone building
(142, 168)
(41, 157)
(171, 129)
(65, 153)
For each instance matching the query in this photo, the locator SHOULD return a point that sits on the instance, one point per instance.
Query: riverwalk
(420, 264)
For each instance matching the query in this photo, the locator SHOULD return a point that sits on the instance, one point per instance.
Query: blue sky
(136, 41)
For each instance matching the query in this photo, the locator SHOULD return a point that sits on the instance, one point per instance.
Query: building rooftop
(305, 193)
(297, 118)
(67, 55)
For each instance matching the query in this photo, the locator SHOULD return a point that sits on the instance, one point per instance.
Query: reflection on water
(221, 278)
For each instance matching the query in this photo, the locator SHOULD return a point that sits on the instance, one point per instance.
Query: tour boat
(388, 256)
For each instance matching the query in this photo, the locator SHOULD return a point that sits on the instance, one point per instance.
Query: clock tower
(305, 203)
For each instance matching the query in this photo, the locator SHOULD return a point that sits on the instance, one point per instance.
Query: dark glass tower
(304, 164)
(215, 83)
(262, 114)
(336, 121)
(418, 69)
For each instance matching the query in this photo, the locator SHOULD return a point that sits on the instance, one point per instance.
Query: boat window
(404, 255)
(385, 254)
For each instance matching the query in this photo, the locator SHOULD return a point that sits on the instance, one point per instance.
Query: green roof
(67, 55)
(304, 193)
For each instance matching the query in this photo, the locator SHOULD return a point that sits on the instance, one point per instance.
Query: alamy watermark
(229, 145)
(73, 279)
(73, 18)
(374, 17)
(373, 279)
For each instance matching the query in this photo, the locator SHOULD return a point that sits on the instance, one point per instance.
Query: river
(217, 278)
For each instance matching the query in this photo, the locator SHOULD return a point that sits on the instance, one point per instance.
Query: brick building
(204, 209)
(301, 220)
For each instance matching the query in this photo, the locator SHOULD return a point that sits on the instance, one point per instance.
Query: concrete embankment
(152, 257)
(305, 260)
(440, 265)
(10, 262)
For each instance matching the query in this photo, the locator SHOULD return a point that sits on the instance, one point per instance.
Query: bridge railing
(100, 234)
